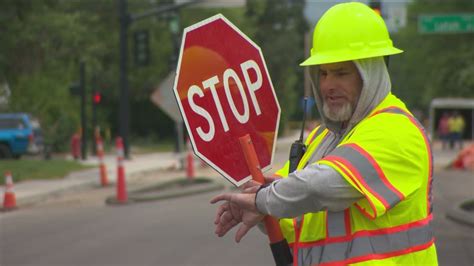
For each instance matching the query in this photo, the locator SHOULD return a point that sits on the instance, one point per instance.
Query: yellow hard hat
(347, 32)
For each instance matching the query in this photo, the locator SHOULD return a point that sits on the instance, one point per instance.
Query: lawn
(143, 147)
(25, 169)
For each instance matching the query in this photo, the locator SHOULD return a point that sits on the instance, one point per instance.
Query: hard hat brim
(342, 56)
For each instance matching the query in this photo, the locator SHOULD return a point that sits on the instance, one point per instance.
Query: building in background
(394, 12)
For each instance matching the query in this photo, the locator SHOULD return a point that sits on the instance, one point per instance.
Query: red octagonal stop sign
(224, 92)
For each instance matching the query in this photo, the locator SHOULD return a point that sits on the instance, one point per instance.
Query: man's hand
(237, 208)
(252, 186)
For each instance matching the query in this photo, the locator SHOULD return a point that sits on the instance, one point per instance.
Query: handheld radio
(298, 148)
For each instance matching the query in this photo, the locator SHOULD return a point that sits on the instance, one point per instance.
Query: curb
(40, 197)
(170, 189)
(80, 186)
(463, 212)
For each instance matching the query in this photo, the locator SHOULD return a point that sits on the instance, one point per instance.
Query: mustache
(334, 94)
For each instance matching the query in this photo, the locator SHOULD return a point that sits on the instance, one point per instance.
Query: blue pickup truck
(19, 134)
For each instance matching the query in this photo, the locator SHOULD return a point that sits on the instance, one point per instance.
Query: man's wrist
(256, 196)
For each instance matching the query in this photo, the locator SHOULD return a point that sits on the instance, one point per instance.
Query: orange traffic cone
(9, 200)
(121, 184)
(103, 168)
(190, 162)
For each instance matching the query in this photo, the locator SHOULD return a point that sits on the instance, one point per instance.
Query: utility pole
(124, 104)
(95, 99)
(82, 85)
(125, 20)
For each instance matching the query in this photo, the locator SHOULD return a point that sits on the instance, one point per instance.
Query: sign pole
(278, 245)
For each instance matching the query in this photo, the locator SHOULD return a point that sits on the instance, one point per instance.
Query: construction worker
(456, 126)
(361, 193)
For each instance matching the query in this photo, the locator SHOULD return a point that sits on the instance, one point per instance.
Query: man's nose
(329, 83)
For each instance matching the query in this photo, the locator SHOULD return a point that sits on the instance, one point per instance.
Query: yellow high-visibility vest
(387, 158)
(456, 124)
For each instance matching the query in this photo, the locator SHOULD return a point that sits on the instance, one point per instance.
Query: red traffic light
(97, 97)
(378, 11)
(376, 5)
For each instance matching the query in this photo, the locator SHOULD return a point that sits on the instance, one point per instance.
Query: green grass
(38, 169)
(150, 147)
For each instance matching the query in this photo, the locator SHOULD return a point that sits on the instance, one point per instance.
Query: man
(443, 129)
(456, 128)
(362, 191)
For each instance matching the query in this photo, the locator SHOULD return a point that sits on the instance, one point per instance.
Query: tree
(280, 28)
(37, 66)
(43, 42)
(433, 65)
(41, 48)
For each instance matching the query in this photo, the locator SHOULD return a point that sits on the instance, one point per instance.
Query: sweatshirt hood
(375, 87)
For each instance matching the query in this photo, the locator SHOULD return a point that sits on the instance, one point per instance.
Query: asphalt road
(85, 232)
(454, 241)
(80, 229)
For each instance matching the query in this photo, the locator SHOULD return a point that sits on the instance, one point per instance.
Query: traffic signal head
(376, 6)
(75, 89)
(141, 47)
(96, 97)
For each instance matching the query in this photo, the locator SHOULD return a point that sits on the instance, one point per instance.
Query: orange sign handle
(279, 246)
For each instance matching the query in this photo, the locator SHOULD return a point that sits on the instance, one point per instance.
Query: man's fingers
(243, 229)
(222, 229)
(226, 217)
(224, 207)
(225, 196)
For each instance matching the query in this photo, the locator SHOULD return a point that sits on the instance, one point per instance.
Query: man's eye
(322, 74)
(342, 73)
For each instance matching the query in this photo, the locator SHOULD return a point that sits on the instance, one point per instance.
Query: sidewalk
(29, 192)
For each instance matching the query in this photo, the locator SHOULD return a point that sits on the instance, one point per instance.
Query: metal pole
(180, 142)
(94, 122)
(82, 84)
(432, 123)
(125, 20)
(124, 107)
(472, 124)
(163, 9)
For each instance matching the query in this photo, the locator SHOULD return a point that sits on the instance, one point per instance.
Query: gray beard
(340, 115)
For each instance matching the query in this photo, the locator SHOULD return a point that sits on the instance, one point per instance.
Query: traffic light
(141, 47)
(376, 5)
(75, 89)
(96, 98)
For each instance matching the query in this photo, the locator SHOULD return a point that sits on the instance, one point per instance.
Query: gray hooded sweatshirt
(319, 187)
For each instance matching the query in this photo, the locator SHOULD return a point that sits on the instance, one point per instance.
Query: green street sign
(446, 23)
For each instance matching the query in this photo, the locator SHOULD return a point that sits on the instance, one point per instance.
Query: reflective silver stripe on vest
(317, 133)
(365, 245)
(395, 110)
(368, 173)
(320, 130)
(336, 225)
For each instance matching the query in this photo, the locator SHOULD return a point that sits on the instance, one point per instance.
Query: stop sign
(224, 92)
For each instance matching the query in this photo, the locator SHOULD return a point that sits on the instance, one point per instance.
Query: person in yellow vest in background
(362, 192)
(456, 128)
